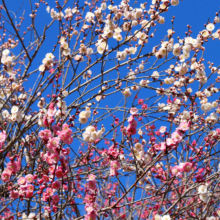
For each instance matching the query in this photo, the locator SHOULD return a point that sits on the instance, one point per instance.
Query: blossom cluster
(176, 137)
(84, 115)
(164, 217)
(131, 128)
(47, 62)
(91, 206)
(203, 193)
(91, 134)
(12, 167)
(47, 117)
(65, 47)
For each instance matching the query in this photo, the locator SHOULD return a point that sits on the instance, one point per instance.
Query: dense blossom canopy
(98, 122)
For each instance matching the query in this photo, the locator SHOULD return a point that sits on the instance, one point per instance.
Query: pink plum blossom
(133, 111)
(29, 178)
(184, 126)
(185, 167)
(5, 176)
(176, 137)
(21, 180)
(45, 134)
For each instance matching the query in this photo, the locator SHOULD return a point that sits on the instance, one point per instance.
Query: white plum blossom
(14, 109)
(157, 217)
(161, 20)
(141, 67)
(132, 50)
(47, 62)
(155, 75)
(205, 33)
(41, 68)
(206, 107)
(204, 197)
(103, 46)
(121, 55)
(169, 80)
(213, 118)
(91, 135)
(5, 114)
(166, 217)
(48, 9)
(210, 27)
(5, 52)
(202, 189)
(103, 6)
(174, 2)
(126, 92)
(214, 104)
(90, 17)
(68, 13)
(56, 15)
(31, 216)
(144, 82)
(84, 115)
(185, 115)
(132, 75)
(176, 49)
(211, 218)
(182, 69)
